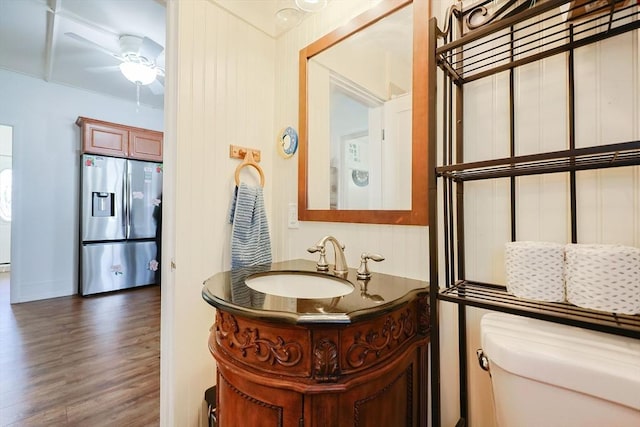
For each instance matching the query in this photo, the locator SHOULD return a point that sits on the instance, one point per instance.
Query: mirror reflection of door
(370, 148)
(353, 172)
(355, 129)
(396, 154)
(6, 137)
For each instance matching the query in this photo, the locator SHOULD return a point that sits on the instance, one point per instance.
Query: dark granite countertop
(381, 293)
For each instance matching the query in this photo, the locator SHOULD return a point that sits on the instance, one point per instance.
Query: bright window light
(5, 195)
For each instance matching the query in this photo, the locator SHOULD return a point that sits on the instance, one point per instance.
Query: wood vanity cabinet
(366, 373)
(112, 139)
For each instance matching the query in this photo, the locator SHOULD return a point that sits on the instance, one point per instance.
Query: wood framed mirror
(363, 119)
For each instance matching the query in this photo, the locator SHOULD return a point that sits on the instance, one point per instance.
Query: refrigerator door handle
(126, 221)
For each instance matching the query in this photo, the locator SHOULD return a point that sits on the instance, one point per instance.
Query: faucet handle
(322, 264)
(363, 271)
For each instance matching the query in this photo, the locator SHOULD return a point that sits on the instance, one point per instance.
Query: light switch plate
(292, 217)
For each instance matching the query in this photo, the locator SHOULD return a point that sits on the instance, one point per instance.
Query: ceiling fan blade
(105, 69)
(160, 60)
(156, 87)
(150, 49)
(93, 45)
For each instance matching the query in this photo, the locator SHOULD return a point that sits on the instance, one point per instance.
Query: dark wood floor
(76, 361)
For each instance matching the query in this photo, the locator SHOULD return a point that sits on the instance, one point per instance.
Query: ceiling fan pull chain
(137, 97)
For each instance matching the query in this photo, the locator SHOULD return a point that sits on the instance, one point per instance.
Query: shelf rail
(597, 157)
(517, 40)
(495, 297)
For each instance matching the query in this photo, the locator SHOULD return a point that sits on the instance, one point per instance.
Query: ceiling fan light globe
(138, 73)
(311, 5)
(288, 17)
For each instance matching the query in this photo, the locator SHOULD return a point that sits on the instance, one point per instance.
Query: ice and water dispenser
(102, 204)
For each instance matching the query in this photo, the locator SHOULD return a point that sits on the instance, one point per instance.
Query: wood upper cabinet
(145, 144)
(112, 139)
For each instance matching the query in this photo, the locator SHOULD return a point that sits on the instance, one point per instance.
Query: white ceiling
(262, 13)
(33, 40)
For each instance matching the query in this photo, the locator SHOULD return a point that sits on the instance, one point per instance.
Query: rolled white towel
(535, 270)
(603, 277)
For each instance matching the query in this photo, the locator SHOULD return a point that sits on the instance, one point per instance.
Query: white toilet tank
(551, 375)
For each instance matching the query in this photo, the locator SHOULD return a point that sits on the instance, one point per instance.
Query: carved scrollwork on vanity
(255, 346)
(381, 340)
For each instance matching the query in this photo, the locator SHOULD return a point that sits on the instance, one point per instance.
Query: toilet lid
(599, 364)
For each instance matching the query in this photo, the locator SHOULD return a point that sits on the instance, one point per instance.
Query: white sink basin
(299, 285)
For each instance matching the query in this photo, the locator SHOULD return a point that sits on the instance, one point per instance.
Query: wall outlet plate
(292, 216)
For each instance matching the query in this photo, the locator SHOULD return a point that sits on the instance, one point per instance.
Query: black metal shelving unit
(495, 297)
(472, 44)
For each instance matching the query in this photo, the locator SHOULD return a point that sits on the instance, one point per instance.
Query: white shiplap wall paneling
(543, 208)
(224, 95)
(608, 206)
(486, 118)
(541, 98)
(607, 112)
(487, 228)
(487, 212)
(606, 91)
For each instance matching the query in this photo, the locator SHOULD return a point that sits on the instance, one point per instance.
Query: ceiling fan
(138, 58)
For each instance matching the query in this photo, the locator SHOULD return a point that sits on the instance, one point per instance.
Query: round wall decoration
(288, 142)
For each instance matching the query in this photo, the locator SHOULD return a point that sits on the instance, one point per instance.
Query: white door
(396, 154)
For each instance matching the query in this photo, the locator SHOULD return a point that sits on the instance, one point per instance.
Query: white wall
(46, 151)
(220, 91)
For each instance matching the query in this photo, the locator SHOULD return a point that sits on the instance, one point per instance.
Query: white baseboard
(43, 290)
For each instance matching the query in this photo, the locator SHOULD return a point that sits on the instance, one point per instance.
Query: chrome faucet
(340, 267)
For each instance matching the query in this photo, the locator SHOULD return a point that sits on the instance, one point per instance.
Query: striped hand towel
(242, 294)
(250, 241)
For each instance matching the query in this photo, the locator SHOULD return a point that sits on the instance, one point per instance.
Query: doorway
(6, 140)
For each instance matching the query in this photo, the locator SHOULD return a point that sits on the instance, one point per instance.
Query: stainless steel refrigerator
(120, 210)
